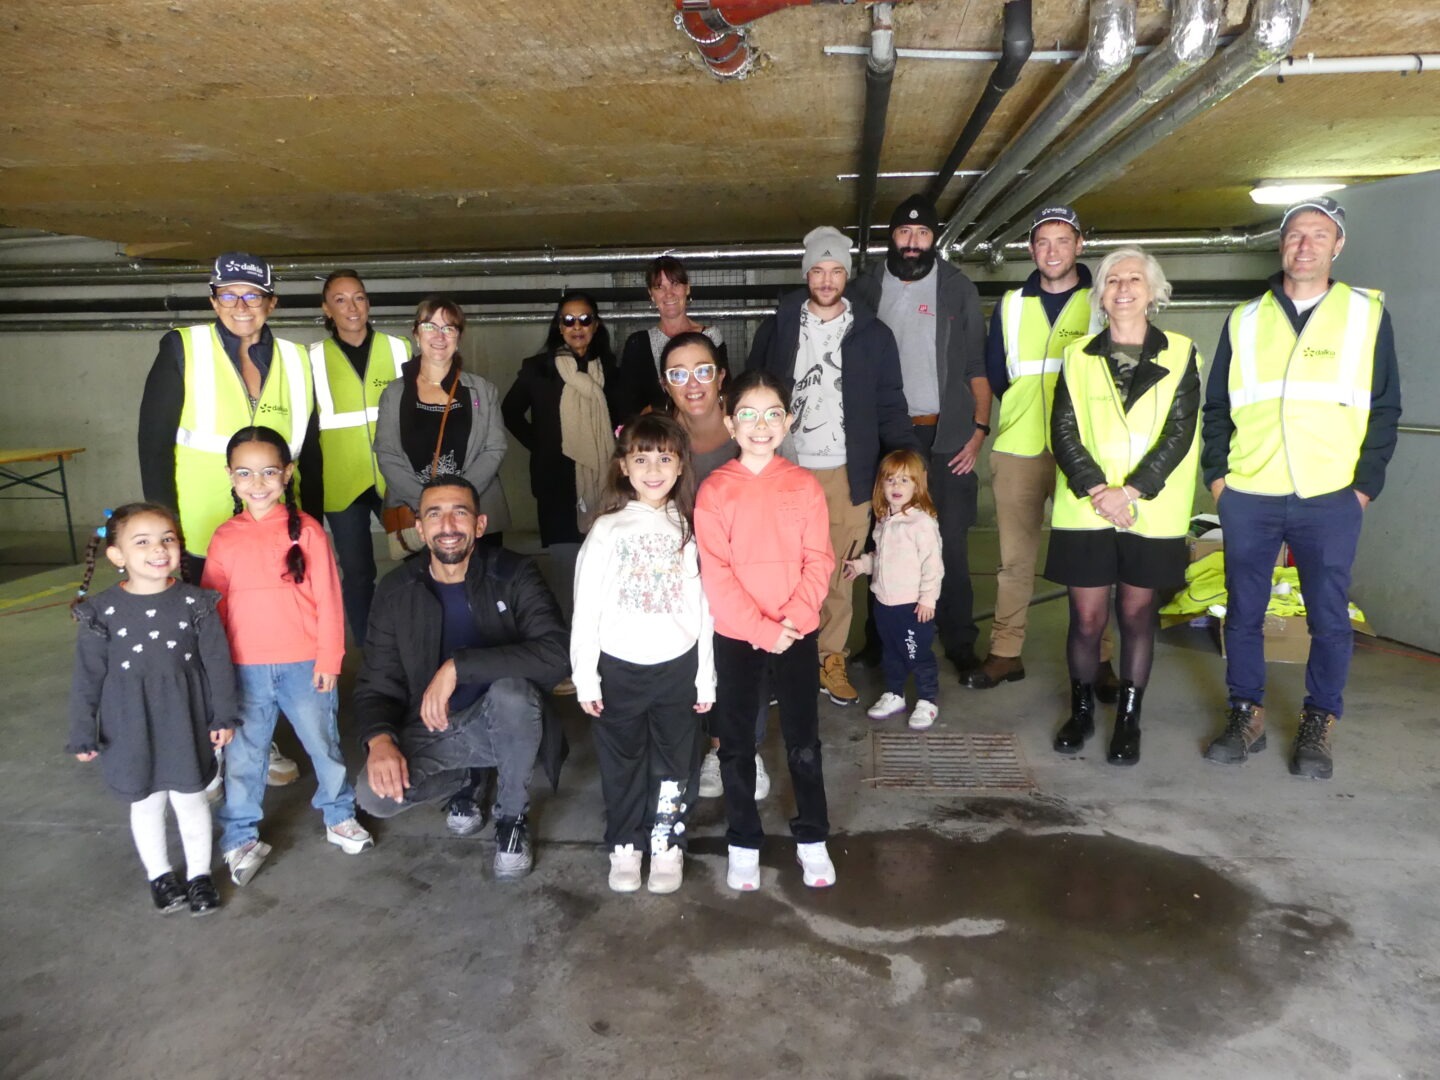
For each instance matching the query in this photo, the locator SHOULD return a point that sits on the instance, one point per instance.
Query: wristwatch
(983, 427)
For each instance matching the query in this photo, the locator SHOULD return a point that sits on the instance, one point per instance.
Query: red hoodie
(764, 550)
(268, 618)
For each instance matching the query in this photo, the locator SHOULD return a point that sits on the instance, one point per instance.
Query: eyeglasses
(772, 417)
(436, 328)
(679, 376)
(569, 321)
(268, 474)
(249, 299)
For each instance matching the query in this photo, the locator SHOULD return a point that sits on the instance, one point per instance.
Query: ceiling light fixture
(1289, 192)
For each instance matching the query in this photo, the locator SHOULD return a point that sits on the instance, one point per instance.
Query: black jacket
(1176, 434)
(1382, 429)
(872, 394)
(959, 347)
(513, 609)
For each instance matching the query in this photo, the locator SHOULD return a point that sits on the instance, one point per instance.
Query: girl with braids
(153, 693)
(281, 602)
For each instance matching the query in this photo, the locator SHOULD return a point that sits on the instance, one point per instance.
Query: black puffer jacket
(517, 616)
(1177, 434)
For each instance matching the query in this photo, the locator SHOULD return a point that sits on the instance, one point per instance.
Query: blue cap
(241, 268)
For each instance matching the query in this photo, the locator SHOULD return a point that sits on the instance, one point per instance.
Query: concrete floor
(1172, 920)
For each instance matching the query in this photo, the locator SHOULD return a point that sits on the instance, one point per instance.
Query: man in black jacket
(934, 311)
(849, 408)
(458, 649)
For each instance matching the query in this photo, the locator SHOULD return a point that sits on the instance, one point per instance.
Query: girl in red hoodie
(281, 604)
(765, 562)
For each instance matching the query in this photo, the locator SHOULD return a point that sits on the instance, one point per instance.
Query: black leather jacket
(1177, 434)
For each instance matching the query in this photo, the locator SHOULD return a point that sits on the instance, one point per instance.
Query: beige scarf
(585, 435)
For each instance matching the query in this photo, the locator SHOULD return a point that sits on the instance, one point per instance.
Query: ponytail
(294, 558)
(97, 541)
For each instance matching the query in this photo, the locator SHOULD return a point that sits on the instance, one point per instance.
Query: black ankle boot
(1125, 742)
(1070, 739)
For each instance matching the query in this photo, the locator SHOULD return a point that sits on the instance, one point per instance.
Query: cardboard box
(1200, 548)
(1287, 638)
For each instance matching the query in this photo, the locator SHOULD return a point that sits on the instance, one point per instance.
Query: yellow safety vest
(346, 410)
(216, 406)
(1119, 440)
(1301, 405)
(1033, 353)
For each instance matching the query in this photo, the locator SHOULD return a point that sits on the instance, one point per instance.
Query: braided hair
(109, 535)
(294, 558)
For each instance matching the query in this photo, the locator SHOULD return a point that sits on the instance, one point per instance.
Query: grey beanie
(826, 244)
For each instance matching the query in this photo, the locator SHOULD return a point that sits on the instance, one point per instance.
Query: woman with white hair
(1124, 434)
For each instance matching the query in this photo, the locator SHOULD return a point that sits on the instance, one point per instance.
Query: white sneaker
(743, 873)
(282, 770)
(711, 786)
(814, 859)
(625, 869)
(888, 705)
(246, 860)
(667, 869)
(924, 714)
(762, 779)
(349, 836)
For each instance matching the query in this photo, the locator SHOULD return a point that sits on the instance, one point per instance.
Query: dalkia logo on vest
(270, 407)
(1311, 353)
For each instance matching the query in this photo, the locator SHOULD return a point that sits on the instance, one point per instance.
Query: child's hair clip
(100, 530)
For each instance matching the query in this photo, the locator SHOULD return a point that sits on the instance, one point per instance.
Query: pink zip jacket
(905, 567)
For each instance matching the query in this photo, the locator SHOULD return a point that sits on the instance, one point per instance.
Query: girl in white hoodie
(906, 572)
(641, 651)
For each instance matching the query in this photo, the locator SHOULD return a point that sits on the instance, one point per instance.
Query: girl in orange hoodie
(765, 561)
(281, 604)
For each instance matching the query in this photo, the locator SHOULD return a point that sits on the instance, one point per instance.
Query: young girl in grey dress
(154, 696)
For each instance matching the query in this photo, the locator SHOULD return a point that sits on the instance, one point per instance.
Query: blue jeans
(1323, 533)
(355, 553)
(265, 689)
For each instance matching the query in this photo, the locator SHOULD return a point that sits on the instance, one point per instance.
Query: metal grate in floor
(939, 761)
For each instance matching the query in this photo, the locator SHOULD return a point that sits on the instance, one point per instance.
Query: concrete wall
(1389, 224)
(75, 388)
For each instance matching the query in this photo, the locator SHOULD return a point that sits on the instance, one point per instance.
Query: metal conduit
(1189, 44)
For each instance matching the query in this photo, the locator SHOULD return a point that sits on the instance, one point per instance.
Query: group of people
(705, 528)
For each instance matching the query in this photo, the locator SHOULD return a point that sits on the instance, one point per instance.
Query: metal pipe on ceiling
(1194, 28)
(1274, 25)
(1107, 54)
(879, 74)
(1017, 43)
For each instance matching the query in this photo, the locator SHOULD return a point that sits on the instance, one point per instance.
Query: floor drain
(936, 761)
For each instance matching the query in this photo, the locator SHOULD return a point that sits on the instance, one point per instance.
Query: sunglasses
(569, 321)
(679, 376)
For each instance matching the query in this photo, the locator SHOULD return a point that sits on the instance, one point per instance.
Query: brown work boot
(835, 682)
(1311, 757)
(1244, 734)
(994, 671)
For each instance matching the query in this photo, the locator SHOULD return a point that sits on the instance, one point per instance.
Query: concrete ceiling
(179, 127)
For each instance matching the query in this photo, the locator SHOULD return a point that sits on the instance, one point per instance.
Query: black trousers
(646, 740)
(739, 668)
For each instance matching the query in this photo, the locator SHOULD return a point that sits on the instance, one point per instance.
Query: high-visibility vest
(1301, 405)
(346, 409)
(216, 406)
(1034, 350)
(1118, 440)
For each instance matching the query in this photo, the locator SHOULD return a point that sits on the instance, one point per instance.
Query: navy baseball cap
(1321, 203)
(1055, 213)
(241, 268)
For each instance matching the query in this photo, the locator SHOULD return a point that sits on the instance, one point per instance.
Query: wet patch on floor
(1036, 812)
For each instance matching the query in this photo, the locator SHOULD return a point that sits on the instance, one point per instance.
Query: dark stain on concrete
(1035, 811)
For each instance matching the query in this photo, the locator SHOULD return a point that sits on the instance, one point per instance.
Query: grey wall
(1389, 225)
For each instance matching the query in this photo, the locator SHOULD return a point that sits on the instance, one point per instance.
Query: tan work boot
(1244, 734)
(835, 681)
(994, 671)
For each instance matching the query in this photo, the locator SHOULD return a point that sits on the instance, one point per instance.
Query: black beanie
(916, 210)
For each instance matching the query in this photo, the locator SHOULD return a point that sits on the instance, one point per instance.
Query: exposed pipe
(1016, 44)
(1107, 55)
(1274, 25)
(1189, 44)
(717, 27)
(879, 74)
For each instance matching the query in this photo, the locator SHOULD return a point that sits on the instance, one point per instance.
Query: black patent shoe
(1070, 739)
(1125, 741)
(167, 892)
(203, 897)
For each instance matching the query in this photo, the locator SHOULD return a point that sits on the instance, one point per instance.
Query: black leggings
(1135, 612)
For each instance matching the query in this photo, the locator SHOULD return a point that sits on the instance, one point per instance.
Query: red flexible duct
(715, 27)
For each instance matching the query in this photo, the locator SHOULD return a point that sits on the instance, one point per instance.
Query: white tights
(192, 815)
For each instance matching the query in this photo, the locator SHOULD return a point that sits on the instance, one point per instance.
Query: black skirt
(1090, 558)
